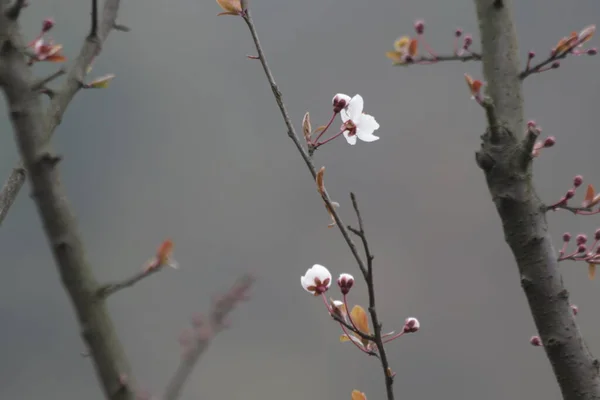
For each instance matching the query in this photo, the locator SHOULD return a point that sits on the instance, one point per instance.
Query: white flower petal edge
(350, 139)
(354, 109)
(365, 128)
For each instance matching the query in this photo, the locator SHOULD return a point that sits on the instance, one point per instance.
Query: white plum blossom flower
(356, 123)
(316, 280)
(411, 325)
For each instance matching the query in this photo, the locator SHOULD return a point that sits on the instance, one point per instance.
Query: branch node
(484, 160)
(49, 159)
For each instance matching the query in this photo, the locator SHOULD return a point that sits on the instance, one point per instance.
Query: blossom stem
(427, 47)
(326, 303)
(327, 127)
(317, 145)
(349, 315)
(396, 336)
(361, 348)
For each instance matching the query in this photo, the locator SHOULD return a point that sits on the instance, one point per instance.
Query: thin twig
(292, 134)
(39, 84)
(94, 24)
(111, 288)
(550, 59)
(360, 232)
(441, 58)
(206, 332)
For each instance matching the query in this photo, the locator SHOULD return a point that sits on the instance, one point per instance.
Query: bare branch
(378, 339)
(206, 331)
(62, 97)
(441, 58)
(40, 83)
(94, 24)
(292, 134)
(111, 288)
(523, 214)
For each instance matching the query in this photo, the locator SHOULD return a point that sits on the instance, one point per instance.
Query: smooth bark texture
(32, 130)
(505, 157)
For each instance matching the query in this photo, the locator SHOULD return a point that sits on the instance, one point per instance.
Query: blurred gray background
(188, 143)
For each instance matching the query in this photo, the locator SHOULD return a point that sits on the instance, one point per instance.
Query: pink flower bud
(550, 141)
(555, 65)
(345, 282)
(536, 341)
(339, 103)
(578, 180)
(575, 309)
(47, 24)
(531, 54)
(592, 51)
(468, 41)
(581, 248)
(570, 193)
(566, 237)
(458, 32)
(581, 239)
(411, 325)
(420, 26)
(531, 124)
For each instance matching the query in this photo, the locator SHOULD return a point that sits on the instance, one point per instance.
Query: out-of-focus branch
(206, 330)
(111, 288)
(62, 97)
(522, 212)
(441, 58)
(31, 134)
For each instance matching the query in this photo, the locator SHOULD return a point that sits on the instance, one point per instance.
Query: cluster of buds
(590, 254)
(354, 324)
(406, 48)
(536, 341)
(568, 45)
(590, 200)
(539, 145)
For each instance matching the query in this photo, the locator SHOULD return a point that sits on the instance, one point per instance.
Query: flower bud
(581, 248)
(458, 32)
(592, 51)
(531, 124)
(555, 65)
(581, 239)
(566, 237)
(468, 41)
(345, 282)
(47, 24)
(530, 55)
(411, 325)
(420, 26)
(570, 193)
(339, 103)
(535, 341)
(597, 234)
(578, 180)
(550, 141)
(575, 309)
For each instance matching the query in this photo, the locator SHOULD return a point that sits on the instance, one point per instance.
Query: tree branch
(360, 232)
(61, 98)
(521, 211)
(40, 161)
(111, 288)
(206, 330)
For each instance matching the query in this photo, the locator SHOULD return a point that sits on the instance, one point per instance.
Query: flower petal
(351, 139)
(365, 128)
(355, 107)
